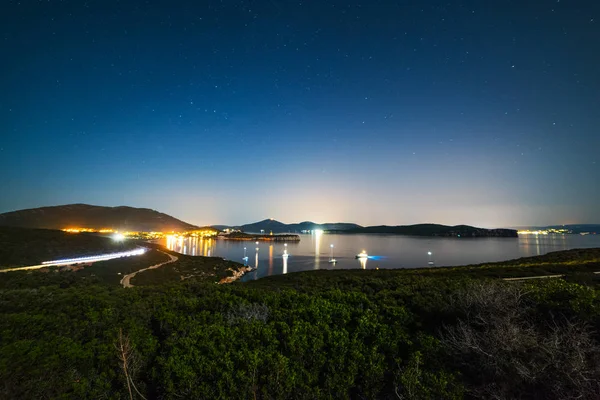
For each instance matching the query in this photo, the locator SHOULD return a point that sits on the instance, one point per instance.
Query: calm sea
(385, 251)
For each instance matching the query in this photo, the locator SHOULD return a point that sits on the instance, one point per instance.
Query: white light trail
(102, 257)
(68, 261)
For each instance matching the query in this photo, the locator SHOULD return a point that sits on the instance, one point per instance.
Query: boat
(245, 258)
(362, 254)
(332, 260)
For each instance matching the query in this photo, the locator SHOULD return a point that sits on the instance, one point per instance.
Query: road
(522, 278)
(86, 260)
(127, 278)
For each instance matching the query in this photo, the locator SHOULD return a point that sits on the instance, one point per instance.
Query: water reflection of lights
(192, 245)
(270, 260)
(363, 262)
(317, 236)
(245, 258)
(285, 265)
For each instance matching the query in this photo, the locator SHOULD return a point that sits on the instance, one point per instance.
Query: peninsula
(459, 231)
(261, 237)
(462, 231)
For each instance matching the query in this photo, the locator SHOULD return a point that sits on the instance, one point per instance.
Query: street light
(118, 237)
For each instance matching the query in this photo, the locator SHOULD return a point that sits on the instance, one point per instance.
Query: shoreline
(261, 238)
(237, 275)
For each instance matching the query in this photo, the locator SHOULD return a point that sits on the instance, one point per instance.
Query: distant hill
(270, 225)
(436, 230)
(94, 217)
(220, 227)
(337, 226)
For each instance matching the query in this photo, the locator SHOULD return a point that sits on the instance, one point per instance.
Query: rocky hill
(94, 217)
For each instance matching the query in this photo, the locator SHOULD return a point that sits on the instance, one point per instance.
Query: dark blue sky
(374, 112)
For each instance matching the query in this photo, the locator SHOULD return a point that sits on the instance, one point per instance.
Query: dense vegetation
(203, 269)
(559, 262)
(19, 246)
(325, 334)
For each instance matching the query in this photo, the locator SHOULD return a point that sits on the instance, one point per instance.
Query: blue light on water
(376, 257)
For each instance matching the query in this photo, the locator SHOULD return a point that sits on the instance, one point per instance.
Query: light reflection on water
(317, 239)
(385, 251)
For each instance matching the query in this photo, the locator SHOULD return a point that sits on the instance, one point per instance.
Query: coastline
(261, 238)
(237, 274)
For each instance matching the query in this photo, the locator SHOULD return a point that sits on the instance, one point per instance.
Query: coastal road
(522, 278)
(127, 278)
(79, 260)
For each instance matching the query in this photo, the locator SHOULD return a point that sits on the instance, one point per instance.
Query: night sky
(374, 112)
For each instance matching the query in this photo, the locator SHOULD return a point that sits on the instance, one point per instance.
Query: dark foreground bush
(506, 349)
(410, 337)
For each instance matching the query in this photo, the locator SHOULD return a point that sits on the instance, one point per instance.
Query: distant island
(273, 226)
(461, 231)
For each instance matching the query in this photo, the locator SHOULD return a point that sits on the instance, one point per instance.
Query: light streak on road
(90, 259)
(67, 261)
